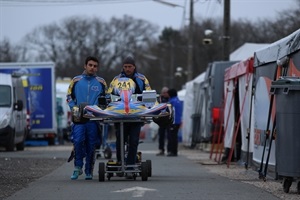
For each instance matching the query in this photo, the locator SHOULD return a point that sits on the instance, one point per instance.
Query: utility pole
(190, 63)
(171, 75)
(226, 30)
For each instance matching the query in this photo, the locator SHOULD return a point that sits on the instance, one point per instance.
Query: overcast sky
(19, 17)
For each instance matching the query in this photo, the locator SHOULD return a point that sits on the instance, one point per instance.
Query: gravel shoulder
(17, 173)
(239, 173)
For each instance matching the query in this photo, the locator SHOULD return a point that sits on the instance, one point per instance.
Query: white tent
(238, 81)
(246, 50)
(189, 108)
(267, 63)
(181, 94)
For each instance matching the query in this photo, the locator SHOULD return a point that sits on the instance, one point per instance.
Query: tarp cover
(246, 50)
(278, 49)
(240, 73)
(189, 108)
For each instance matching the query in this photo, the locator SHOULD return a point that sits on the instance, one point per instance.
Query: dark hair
(172, 92)
(91, 58)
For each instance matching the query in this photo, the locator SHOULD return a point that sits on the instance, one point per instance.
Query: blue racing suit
(85, 89)
(131, 129)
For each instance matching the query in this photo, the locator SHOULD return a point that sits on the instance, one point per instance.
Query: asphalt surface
(172, 178)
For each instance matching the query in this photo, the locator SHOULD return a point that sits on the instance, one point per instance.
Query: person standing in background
(85, 88)
(177, 110)
(163, 130)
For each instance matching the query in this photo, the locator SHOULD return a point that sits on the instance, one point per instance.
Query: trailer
(40, 97)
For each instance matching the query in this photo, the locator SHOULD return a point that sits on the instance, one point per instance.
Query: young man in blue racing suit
(85, 88)
(131, 129)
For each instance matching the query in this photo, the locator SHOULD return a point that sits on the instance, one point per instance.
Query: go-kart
(126, 107)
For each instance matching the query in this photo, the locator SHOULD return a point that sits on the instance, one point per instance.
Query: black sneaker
(171, 155)
(161, 153)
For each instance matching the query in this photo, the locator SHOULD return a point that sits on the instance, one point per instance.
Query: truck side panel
(40, 96)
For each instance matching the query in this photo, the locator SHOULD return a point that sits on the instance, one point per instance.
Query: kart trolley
(104, 149)
(141, 169)
(145, 109)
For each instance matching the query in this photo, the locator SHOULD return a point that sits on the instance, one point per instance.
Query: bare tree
(67, 44)
(8, 52)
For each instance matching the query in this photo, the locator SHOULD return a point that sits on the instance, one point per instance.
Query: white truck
(41, 97)
(13, 112)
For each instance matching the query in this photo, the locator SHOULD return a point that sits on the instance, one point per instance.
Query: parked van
(13, 112)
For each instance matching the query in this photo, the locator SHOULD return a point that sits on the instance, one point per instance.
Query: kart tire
(149, 166)
(144, 171)
(101, 172)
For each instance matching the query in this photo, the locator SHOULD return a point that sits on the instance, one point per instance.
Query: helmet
(77, 114)
(165, 118)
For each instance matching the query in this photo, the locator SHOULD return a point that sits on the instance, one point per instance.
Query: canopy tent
(246, 50)
(278, 50)
(213, 99)
(268, 64)
(189, 106)
(237, 107)
(181, 94)
(237, 99)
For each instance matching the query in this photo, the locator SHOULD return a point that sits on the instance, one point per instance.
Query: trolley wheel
(149, 164)
(287, 182)
(298, 187)
(144, 171)
(101, 172)
(107, 153)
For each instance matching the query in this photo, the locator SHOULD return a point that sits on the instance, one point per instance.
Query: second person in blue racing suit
(85, 88)
(131, 129)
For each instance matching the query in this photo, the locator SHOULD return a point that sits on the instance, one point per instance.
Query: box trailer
(41, 98)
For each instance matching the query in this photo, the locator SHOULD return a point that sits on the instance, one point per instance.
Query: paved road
(172, 178)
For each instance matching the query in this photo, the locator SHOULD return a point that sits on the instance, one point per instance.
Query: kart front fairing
(128, 107)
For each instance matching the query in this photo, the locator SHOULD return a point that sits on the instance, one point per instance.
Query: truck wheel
(51, 141)
(20, 146)
(10, 146)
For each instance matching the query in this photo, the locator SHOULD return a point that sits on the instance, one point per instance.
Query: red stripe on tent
(239, 69)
